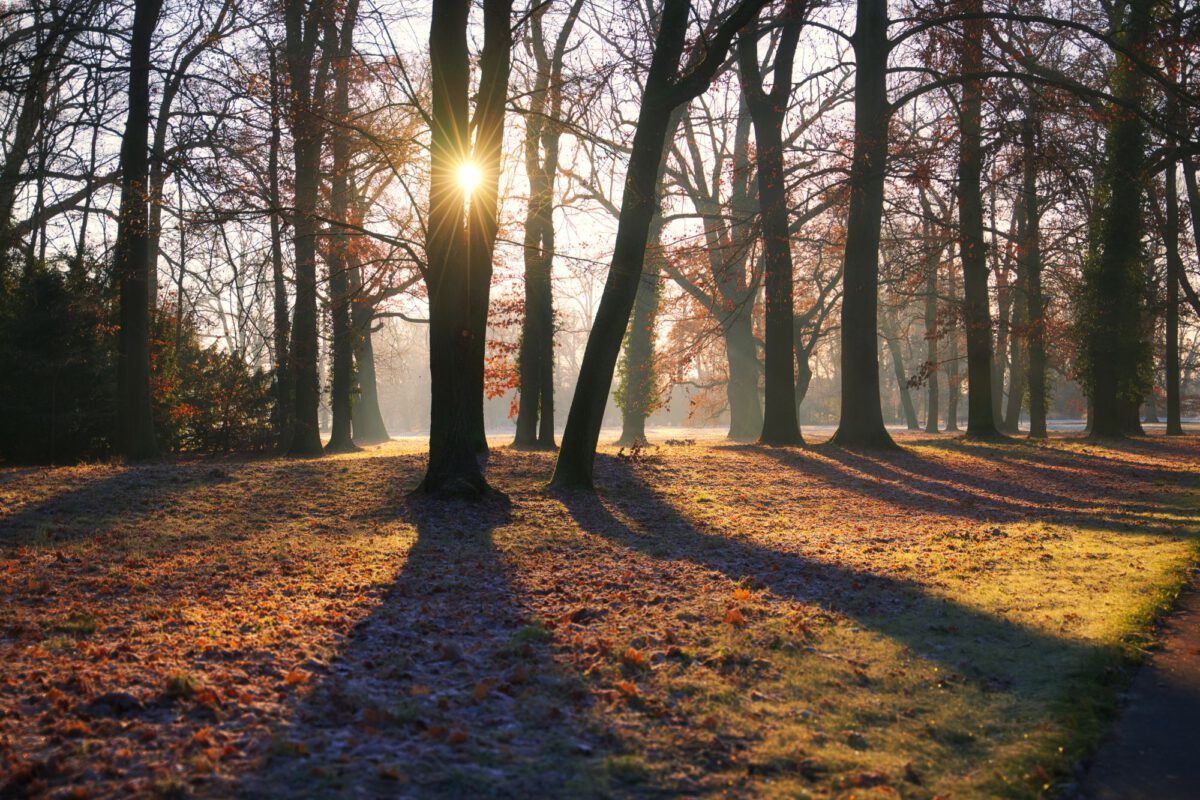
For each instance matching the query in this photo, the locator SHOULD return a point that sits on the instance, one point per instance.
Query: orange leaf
(734, 617)
(627, 688)
(295, 676)
(741, 595)
(634, 658)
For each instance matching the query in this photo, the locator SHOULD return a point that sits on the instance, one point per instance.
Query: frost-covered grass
(954, 619)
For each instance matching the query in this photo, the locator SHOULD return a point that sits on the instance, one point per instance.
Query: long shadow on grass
(446, 689)
(910, 480)
(991, 651)
(91, 503)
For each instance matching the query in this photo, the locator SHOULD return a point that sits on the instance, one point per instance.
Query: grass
(955, 619)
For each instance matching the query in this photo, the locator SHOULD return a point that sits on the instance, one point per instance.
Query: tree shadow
(993, 652)
(912, 481)
(446, 689)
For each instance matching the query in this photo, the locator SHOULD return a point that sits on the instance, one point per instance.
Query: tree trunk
(931, 337)
(366, 418)
(892, 338)
(663, 93)
(639, 379)
(458, 297)
(953, 374)
(341, 437)
(283, 369)
(1114, 286)
(741, 353)
(1019, 324)
(1174, 271)
(976, 305)
(1031, 252)
(535, 410)
(861, 423)
(484, 202)
(306, 92)
(780, 426)
(131, 259)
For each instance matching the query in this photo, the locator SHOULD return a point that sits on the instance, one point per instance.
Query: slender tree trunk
(283, 370)
(535, 410)
(664, 92)
(1031, 252)
(931, 339)
(639, 381)
(341, 438)
(953, 373)
(135, 415)
(892, 337)
(306, 91)
(780, 425)
(367, 419)
(1174, 271)
(976, 305)
(861, 423)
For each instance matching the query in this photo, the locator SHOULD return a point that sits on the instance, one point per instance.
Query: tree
(1112, 308)
(341, 42)
(458, 248)
(666, 89)
(535, 412)
(1031, 271)
(132, 258)
(861, 423)
(981, 423)
(304, 24)
(767, 109)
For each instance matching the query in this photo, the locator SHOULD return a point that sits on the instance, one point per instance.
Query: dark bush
(57, 358)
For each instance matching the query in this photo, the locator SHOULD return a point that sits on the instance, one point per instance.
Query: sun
(469, 176)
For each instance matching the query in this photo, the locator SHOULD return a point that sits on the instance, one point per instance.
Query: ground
(951, 620)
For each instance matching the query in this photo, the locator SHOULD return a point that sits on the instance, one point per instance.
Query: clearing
(954, 619)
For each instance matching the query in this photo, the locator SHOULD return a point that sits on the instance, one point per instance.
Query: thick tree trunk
(780, 426)
(131, 260)
(484, 202)
(976, 305)
(459, 274)
(1114, 346)
(861, 423)
(1174, 272)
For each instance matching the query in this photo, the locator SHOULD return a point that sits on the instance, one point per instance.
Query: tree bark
(639, 380)
(302, 32)
(459, 245)
(535, 409)
(283, 369)
(861, 423)
(341, 437)
(1114, 285)
(131, 259)
(366, 418)
(663, 93)
(1031, 252)
(892, 338)
(1174, 272)
(981, 423)
(767, 110)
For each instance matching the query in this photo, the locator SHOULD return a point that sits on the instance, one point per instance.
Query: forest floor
(950, 620)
